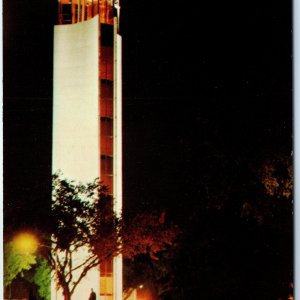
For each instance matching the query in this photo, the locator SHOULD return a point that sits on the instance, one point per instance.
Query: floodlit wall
(118, 265)
(76, 117)
(76, 94)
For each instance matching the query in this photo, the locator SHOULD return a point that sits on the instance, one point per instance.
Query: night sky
(217, 78)
(199, 82)
(194, 79)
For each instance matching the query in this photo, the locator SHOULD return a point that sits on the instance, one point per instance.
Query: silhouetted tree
(84, 221)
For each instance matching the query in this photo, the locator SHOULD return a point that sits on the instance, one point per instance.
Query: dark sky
(201, 80)
(196, 80)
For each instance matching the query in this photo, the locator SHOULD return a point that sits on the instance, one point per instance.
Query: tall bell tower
(87, 113)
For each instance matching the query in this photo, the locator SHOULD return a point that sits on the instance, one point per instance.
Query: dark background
(216, 77)
(203, 86)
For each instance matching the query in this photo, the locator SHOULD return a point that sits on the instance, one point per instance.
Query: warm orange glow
(142, 293)
(71, 12)
(25, 242)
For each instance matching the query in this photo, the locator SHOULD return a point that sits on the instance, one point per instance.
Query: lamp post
(27, 243)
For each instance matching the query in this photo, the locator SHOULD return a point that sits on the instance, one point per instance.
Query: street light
(25, 242)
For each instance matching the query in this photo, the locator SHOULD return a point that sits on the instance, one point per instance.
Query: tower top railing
(75, 11)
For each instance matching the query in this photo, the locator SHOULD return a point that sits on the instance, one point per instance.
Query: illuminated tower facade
(87, 114)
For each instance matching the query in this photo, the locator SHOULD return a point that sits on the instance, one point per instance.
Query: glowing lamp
(25, 243)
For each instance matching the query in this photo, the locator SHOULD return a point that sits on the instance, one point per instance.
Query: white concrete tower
(87, 115)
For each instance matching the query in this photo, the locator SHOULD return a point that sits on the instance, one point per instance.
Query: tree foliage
(73, 212)
(29, 266)
(84, 221)
(42, 278)
(147, 233)
(247, 231)
(277, 177)
(16, 263)
(237, 232)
